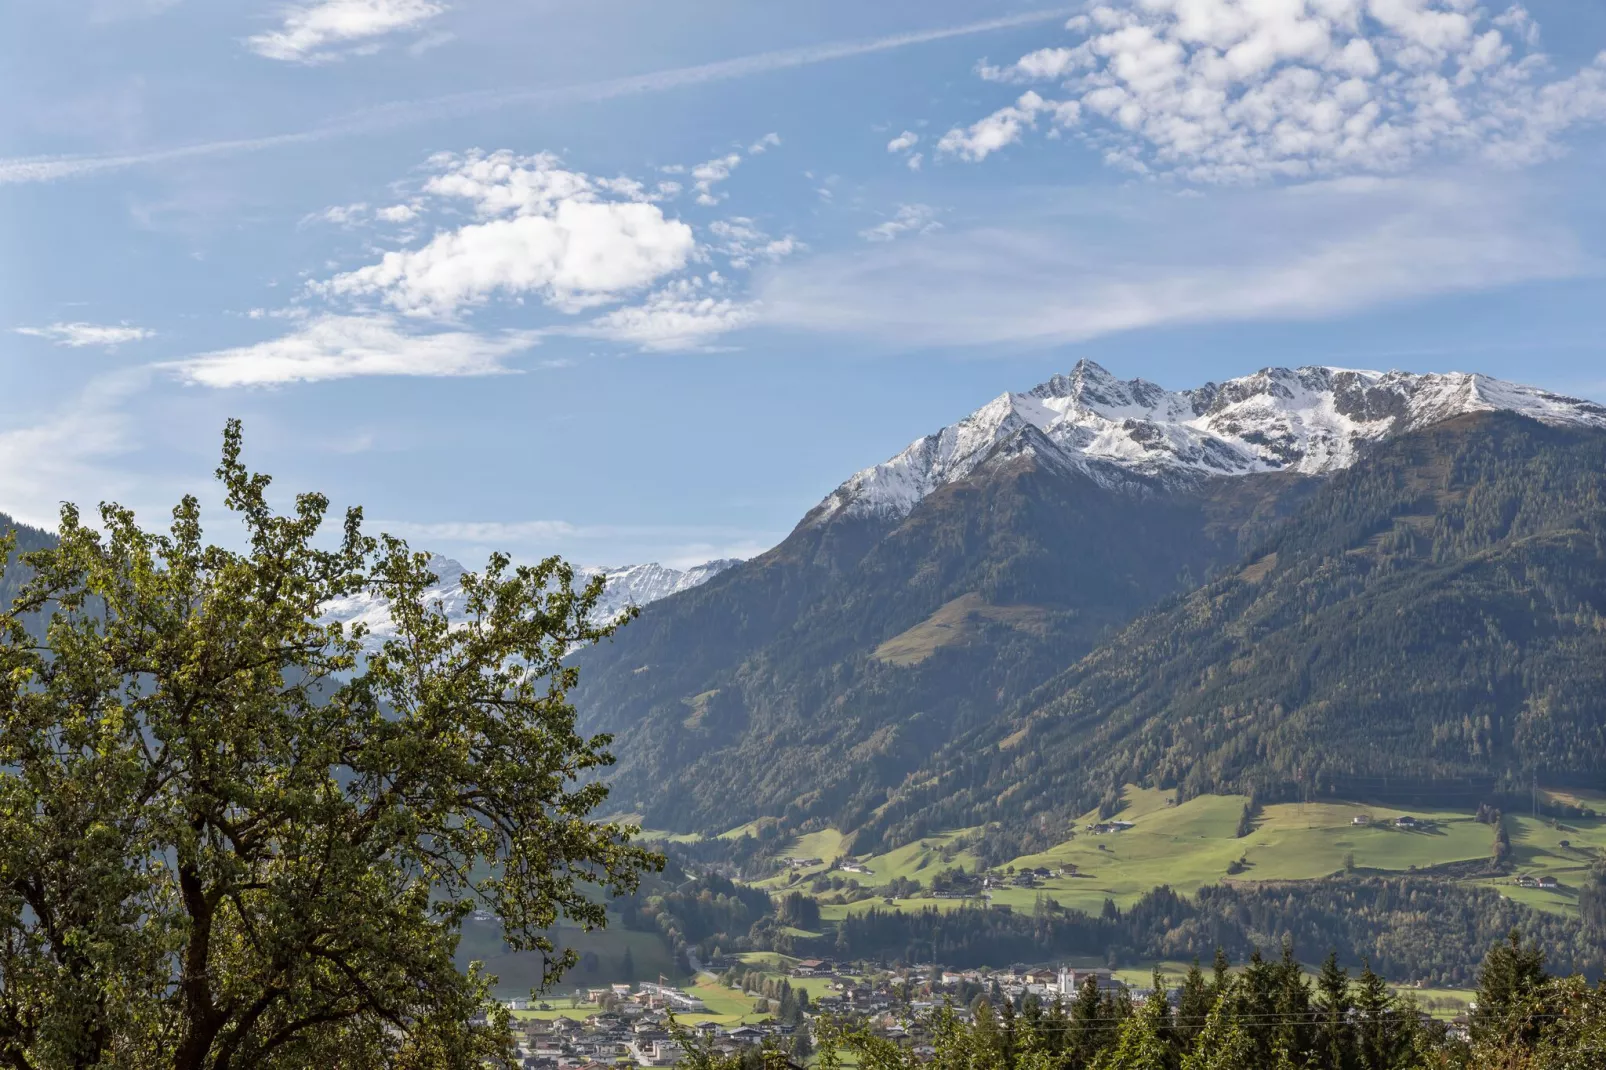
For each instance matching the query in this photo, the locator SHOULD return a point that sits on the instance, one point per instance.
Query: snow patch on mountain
(630, 585)
(1312, 420)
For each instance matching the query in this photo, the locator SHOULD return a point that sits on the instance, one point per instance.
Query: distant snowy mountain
(1311, 420)
(630, 585)
(638, 585)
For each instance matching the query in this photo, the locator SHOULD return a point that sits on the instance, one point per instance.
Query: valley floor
(1185, 846)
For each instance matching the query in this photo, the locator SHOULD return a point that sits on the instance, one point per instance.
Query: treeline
(1407, 929)
(791, 1004)
(1265, 1016)
(705, 912)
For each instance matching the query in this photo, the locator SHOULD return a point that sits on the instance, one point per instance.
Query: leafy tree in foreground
(229, 840)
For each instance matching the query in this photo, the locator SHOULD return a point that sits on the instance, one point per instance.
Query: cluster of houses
(846, 995)
(1404, 821)
(1022, 878)
(1019, 982)
(630, 1027)
(1105, 827)
(898, 1004)
(1526, 881)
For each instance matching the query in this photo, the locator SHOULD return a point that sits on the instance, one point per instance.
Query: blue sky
(632, 280)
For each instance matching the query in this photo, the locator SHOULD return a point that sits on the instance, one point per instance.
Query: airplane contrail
(26, 169)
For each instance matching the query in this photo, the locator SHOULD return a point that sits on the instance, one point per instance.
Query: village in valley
(745, 1001)
(650, 1024)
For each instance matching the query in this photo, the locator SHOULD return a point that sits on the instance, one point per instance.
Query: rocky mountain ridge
(1310, 421)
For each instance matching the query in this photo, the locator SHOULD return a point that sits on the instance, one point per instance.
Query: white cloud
(342, 347)
(710, 173)
(681, 316)
(340, 215)
(78, 335)
(705, 176)
(1005, 126)
(397, 213)
(1055, 276)
(740, 239)
(903, 142)
(918, 218)
(319, 32)
(546, 232)
(1245, 90)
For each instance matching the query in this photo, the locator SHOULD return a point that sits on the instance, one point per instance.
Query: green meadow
(1195, 843)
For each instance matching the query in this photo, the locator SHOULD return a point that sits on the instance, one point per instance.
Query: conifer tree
(1194, 1006)
(1334, 1043)
(1224, 1044)
(1141, 1043)
(1510, 978)
(1377, 1039)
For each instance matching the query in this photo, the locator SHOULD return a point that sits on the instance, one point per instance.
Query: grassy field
(1193, 844)
(919, 860)
(778, 965)
(768, 961)
(955, 624)
(825, 845)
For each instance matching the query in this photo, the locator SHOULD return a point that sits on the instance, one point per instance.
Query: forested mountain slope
(814, 678)
(1432, 621)
(27, 538)
(911, 657)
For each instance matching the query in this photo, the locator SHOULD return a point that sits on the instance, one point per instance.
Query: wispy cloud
(343, 347)
(1299, 253)
(61, 456)
(910, 218)
(319, 32)
(408, 113)
(684, 315)
(78, 335)
(904, 145)
(1005, 126)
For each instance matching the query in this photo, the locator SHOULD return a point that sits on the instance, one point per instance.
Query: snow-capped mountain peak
(1311, 420)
